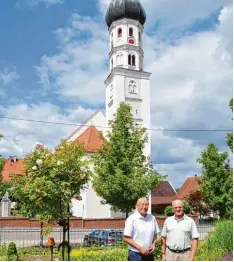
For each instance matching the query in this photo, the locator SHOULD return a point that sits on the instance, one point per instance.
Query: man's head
(178, 208)
(142, 206)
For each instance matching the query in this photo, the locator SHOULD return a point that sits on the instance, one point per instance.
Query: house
(13, 165)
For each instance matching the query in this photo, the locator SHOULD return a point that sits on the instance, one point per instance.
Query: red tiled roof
(189, 185)
(91, 140)
(164, 189)
(163, 200)
(12, 167)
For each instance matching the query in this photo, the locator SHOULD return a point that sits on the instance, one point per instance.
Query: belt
(179, 251)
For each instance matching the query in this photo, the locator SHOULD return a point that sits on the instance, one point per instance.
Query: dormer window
(130, 31)
(119, 32)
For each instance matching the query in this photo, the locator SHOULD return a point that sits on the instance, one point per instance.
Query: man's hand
(164, 257)
(152, 249)
(144, 251)
(191, 258)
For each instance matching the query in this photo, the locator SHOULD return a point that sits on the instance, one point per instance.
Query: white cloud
(8, 76)
(176, 13)
(20, 136)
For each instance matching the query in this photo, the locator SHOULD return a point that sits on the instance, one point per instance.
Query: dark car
(103, 237)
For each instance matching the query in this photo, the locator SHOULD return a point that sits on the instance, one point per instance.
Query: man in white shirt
(140, 233)
(179, 236)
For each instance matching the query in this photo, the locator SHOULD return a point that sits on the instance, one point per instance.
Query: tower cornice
(127, 72)
(126, 47)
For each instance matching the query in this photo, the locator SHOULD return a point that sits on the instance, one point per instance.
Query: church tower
(127, 80)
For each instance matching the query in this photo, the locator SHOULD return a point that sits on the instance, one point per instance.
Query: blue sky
(54, 59)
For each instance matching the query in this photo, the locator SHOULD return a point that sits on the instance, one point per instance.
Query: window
(129, 59)
(133, 60)
(132, 87)
(130, 31)
(119, 32)
(112, 40)
(139, 36)
(131, 41)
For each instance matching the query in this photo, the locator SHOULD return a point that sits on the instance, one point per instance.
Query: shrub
(218, 244)
(12, 254)
(3, 258)
(106, 254)
(3, 249)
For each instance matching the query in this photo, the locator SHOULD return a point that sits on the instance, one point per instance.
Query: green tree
(122, 172)
(4, 186)
(52, 180)
(230, 135)
(216, 183)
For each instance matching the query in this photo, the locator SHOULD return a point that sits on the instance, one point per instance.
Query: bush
(106, 254)
(3, 249)
(3, 258)
(12, 254)
(218, 244)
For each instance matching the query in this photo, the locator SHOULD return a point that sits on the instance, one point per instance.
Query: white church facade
(127, 82)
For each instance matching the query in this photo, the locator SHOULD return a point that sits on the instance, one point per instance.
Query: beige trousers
(171, 256)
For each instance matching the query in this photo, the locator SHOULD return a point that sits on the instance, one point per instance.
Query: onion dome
(119, 9)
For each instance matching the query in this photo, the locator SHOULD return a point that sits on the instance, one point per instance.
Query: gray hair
(177, 201)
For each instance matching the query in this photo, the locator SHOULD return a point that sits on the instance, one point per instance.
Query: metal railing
(31, 236)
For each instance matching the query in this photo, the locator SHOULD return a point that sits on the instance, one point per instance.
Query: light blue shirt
(141, 229)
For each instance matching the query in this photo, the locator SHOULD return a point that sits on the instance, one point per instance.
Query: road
(25, 236)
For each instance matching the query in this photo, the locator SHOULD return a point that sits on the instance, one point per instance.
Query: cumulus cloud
(19, 137)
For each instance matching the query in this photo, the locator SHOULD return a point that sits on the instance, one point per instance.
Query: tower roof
(119, 9)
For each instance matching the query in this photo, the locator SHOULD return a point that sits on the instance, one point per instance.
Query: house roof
(165, 188)
(12, 165)
(190, 184)
(162, 200)
(91, 140)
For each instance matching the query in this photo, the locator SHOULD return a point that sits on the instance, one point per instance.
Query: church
(126, 82)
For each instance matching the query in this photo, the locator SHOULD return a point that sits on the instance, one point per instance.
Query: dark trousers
(135, 256)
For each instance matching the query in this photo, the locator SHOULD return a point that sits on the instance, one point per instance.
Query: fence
(31, 236)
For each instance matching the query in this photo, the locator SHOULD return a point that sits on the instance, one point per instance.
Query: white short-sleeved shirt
(179, 233)
(141, 229)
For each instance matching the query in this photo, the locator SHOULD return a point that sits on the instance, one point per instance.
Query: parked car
(103, 237)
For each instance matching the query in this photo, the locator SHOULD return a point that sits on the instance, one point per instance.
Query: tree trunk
(63, 246)
(41, 234)
(126, 213)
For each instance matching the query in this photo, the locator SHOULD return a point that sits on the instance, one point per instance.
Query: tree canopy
(216, 183)
(122, 172)
(52, 179)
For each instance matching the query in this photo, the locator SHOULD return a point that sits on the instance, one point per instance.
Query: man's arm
(132, 243)
(163, 248)
(194, 249)
(152, 249)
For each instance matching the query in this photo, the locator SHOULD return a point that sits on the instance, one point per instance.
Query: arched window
(129, 59)
(131, 41)
(132, 87)
(130, 31)
(119, 32)
(133, 60)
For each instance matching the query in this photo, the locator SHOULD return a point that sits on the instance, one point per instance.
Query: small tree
(216, 183)
(196, 201)
(122, 172)
(52, 179)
